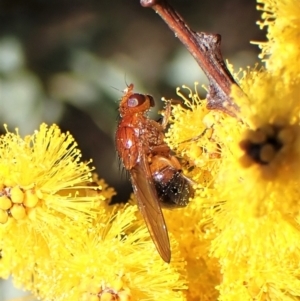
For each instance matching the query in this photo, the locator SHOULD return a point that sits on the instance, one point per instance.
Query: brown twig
(205, 48)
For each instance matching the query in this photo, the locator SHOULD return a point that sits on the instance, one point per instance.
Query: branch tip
(149, 3)
(206, 49)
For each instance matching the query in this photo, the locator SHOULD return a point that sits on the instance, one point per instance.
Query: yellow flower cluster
(236, 240)
(281, 52)
(247, 171)
(59, 238)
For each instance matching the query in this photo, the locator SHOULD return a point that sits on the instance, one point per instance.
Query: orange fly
(156, 175)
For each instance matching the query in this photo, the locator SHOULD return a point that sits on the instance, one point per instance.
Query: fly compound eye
(136, 100)
(151, 99)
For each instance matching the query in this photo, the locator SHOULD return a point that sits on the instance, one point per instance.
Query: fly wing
(149, 206)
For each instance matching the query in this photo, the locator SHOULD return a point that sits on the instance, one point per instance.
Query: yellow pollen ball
(286, 135)
(123, 296)
(195, 150)
(5, 202)
(30, 199)
(267, 153)
(31, 213)
(16, 195)
(3, 217)
(39, 194)
(246, 161)
(18, 211)
(107, 297)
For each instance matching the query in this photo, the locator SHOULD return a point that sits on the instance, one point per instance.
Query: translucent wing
(148, 202)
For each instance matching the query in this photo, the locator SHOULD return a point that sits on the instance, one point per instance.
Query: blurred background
(67, 62)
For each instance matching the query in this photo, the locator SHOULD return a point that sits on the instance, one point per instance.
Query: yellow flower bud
(124, 296)
(18, 211)
(267, 153)
(5, 202)
(30, 199)
(17, 195)
(107, 297)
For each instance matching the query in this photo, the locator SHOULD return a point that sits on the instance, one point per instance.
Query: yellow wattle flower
(258, 219)
(238, 238)
(41, 172)
(44, 189)
(251, 228)
(282, 50)
(250, 204)
(112, 259)
(191, 136)
(193, 238)
(69, 244)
